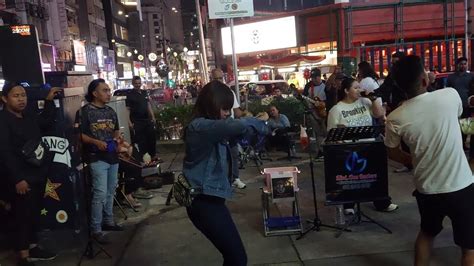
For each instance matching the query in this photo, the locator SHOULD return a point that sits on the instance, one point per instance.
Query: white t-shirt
(368, 84)
(353, 114)
(236, 105)
(429, 125)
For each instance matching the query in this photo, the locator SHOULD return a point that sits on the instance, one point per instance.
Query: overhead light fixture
(120, 12)
(135, 51)
(126, 16)
(143, 36)
(129, 54)
(173, 8)
(113, 40)
(185, 49)
(168, 49)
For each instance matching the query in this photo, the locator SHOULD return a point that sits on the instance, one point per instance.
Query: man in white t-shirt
(428, 124)
(217, 74)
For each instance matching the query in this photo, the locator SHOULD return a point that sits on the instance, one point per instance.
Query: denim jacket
(206, 164)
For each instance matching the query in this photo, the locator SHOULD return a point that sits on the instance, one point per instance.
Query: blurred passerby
(26, 180)
(432, 79)
(389, 90)
(460, 80)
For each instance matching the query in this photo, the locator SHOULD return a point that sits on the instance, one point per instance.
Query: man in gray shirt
(460, 80)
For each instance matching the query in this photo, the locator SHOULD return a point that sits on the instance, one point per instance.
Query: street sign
(230, 8)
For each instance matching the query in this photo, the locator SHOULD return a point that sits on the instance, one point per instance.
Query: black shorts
(458, 206)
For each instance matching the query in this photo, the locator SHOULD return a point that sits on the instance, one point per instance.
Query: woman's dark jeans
(210, 215)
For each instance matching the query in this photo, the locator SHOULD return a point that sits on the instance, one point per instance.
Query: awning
(280, 62)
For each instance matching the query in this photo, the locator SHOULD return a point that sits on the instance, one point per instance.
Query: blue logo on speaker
(355, 164)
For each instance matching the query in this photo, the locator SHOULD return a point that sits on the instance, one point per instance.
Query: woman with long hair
(352, 110)
(207, 166)
(368, 77)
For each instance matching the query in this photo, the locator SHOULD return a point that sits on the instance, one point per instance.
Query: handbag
(467, 125)
(183, 193)
(35, 152)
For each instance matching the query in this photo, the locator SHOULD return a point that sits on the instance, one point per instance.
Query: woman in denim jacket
(207, 166)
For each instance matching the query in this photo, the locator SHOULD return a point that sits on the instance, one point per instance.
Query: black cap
(315, 72)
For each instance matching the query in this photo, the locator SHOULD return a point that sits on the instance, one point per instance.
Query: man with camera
(99, 132)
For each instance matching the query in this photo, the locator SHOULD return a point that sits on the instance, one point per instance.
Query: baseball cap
(315, 72)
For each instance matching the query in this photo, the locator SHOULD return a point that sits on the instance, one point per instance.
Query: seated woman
(353, 110)
(279, 125)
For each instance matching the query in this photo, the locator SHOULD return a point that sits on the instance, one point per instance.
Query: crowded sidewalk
(163, 235)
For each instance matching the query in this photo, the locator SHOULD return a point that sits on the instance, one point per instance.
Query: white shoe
(390, 208)
(402, 169)
(239, 184)
(349, 211)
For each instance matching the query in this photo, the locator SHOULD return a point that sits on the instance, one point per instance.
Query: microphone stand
(316, 221)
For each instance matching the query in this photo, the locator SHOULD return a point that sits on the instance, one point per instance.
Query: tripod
(91, 241)
(357, 219)
(316, 221)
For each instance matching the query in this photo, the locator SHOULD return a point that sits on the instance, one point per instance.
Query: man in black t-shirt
(99, 128)
(142, 120)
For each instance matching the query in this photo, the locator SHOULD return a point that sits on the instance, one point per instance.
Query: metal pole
(205, 75)
(466, 29)
(234, 61)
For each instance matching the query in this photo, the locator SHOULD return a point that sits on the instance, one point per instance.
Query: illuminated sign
(23, 30)
(80, 52)
(260, 36)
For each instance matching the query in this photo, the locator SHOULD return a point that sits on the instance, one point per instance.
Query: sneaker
(113, 227)
(349, 211)
(390, 208)
(239, 184)
(25, 262)
(37, 254)
(402, 169)
(100, 238)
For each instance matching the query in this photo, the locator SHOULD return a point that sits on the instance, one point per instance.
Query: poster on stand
(355, 172)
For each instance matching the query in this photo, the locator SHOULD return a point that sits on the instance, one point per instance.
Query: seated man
(279, 125)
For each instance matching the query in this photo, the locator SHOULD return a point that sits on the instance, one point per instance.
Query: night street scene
(236, 132)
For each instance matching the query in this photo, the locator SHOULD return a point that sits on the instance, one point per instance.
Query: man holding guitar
(314, 92)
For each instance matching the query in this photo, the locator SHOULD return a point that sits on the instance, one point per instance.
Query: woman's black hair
(91, 88)
(345, 85)
(212, 98)
(366, 70)
(8, 86)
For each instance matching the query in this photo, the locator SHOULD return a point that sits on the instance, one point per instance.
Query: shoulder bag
(183, 193)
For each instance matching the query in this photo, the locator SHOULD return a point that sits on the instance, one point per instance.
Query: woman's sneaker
(239, 184)
(392, 207)
(37, 254)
